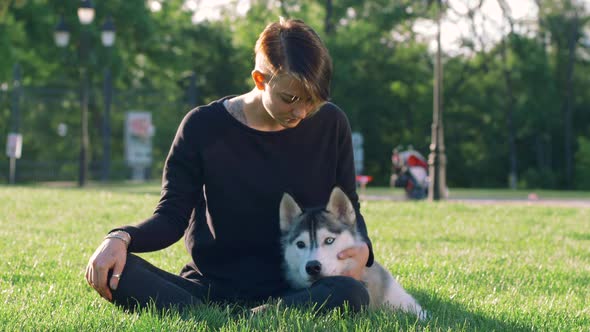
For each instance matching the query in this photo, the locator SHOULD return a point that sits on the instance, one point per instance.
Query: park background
(515, 99)
(516, 91)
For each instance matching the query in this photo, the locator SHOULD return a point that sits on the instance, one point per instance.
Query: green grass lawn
(473, 267)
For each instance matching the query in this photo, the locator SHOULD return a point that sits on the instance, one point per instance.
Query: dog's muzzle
(313, 268)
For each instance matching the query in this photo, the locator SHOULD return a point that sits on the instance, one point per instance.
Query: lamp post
(61, 33)
(108, 39)
(62, 37)
(437, 160)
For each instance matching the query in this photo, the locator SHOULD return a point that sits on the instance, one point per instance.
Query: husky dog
(313, 238)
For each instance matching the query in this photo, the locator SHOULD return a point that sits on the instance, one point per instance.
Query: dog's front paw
(423, 315)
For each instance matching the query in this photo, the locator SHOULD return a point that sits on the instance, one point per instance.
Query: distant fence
(28, 171)
(49, 120)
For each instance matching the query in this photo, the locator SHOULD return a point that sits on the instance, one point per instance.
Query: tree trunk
(328, 25)
(513, 173)
(543, 138)
(284, 11)
(568, 102)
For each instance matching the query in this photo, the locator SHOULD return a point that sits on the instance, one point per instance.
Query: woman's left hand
(359, 255)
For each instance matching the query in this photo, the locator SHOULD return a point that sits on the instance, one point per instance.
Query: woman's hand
(359, 255)
(110, 255)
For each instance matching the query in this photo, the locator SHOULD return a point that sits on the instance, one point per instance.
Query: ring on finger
(118, 276)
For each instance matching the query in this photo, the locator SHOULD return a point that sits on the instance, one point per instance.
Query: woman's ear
(258, 78)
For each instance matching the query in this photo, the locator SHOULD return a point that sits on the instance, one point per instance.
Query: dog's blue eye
(300, 244)
(329, 240)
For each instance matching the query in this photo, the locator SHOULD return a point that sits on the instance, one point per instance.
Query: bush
(534, 178)
(582, 165)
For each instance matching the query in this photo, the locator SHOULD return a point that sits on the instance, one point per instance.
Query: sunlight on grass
(473, 267)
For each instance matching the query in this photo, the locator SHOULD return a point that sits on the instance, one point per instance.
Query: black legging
(142, 284)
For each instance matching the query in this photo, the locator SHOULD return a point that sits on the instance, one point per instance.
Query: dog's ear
(289, 210)
(340, 206)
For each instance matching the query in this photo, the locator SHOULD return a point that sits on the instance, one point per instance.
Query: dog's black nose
(313, 268)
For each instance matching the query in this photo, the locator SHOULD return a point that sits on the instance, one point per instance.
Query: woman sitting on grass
(224, 177)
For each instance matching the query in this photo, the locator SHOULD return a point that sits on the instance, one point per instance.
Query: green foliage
(535, 179)
(383, 80)
(582, 165)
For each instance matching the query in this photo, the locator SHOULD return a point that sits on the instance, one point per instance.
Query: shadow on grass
(444, 315)
(580, 236)
(449, 316)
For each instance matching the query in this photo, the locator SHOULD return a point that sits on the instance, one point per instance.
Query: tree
(564, 22)
(505, 101)
(513, 177)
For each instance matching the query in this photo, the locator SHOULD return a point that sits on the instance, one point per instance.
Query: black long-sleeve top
(222, 185)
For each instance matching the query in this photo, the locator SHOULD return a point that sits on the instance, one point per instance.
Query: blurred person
(409, 170)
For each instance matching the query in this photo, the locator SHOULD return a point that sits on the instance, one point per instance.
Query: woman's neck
(254, 112)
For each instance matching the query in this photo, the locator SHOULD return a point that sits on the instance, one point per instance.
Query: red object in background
(416, 161)
(364, 179)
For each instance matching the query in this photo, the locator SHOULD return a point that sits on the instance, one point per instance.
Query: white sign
(14, 145)
(138, 138)
(358, 152)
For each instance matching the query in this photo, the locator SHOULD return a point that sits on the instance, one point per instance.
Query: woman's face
(285, 100)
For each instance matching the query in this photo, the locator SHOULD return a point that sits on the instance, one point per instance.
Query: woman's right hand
(110, 255)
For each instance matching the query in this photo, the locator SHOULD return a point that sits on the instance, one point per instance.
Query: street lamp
(61, 33)
(437, 160)
(108, 39)
(62, 37)
(107, 34)
(86, 12)
(85, 16)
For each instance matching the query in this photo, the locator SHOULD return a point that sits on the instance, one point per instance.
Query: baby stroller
(410, 171)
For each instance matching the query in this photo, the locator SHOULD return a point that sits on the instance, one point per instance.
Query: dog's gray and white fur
(312, 239)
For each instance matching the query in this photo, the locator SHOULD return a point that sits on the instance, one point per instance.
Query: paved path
(539, 202)
(579, 203)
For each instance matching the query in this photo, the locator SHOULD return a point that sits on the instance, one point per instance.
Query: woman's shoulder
(331, 111)
(209, 112)
(208, 109)
(330, 107)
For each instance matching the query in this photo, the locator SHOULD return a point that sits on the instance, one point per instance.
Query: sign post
(14, 141)
(363, 180)
(138, 142)
(14, 147)
(358, 152)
